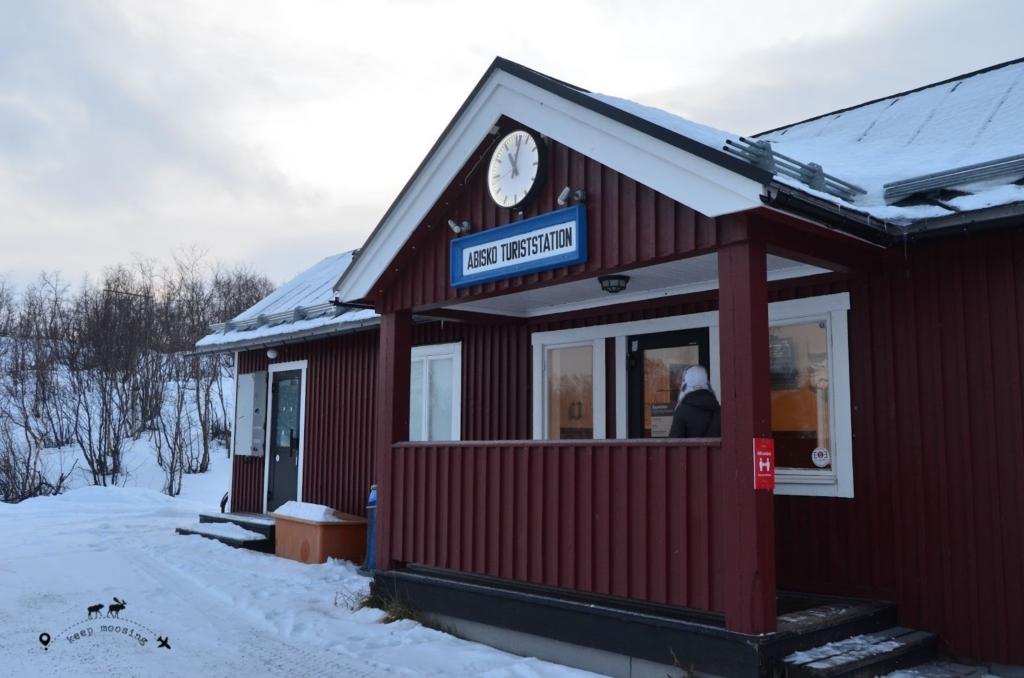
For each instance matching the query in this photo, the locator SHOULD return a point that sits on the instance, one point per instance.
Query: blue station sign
(538, 244)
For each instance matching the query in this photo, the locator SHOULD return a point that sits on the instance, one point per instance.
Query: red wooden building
(514, 412)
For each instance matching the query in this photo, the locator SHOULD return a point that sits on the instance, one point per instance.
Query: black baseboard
(653, 632)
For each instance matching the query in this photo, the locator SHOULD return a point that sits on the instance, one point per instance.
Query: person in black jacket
(697, 414)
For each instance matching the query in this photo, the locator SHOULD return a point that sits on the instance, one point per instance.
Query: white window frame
(540, 370)
(435, 351)
(300, 365)
(833, 308)
(837, 482)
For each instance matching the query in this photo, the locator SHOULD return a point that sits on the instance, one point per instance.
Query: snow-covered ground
(220, 611)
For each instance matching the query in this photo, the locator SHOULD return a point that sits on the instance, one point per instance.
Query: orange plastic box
(314, 541)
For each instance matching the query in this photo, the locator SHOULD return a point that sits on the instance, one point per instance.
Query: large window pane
(440, 398)
(663, 374)
(416, 401)
(286, 411)
(800, 396)
(570, 377)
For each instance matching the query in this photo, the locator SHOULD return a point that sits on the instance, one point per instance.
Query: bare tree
(26, 391)
(177, 441)
(112, 361)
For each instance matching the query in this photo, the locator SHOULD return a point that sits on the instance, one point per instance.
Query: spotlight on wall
(563, 197)
(580, 195)
(613, 283)
(458, 228)
(271, 353)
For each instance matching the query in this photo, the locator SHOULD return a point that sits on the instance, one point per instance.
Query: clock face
(516, 173)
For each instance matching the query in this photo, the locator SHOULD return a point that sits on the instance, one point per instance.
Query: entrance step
(254, 522)
(245, 531)
(941, 669)
(866, 656)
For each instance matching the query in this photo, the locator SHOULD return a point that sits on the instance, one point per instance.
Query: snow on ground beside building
(220, 611)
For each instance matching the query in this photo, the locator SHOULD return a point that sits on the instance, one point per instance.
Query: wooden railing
(625, 518)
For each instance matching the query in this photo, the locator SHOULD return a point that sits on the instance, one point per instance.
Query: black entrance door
(283, 482)
(656, 366)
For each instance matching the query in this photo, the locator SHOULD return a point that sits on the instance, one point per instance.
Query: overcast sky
(277, 132)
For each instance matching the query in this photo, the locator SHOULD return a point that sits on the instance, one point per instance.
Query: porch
(629, 519)
(605, 555)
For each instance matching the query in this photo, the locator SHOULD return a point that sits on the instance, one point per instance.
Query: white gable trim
(698, 183)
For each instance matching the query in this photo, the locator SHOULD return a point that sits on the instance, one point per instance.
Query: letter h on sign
(764, 464)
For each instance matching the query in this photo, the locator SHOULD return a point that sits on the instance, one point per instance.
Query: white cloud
(278, 132)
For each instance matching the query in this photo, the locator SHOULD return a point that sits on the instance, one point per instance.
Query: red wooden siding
(497, 378)
(621, 518)
(247, 485)
(627, 223)
(937, 523)
(338, 438)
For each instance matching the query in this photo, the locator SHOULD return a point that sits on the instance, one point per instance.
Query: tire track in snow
(258, 649)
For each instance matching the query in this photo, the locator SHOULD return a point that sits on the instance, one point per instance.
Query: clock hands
(515, 158)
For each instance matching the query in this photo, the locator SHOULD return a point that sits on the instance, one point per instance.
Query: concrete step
(866, 656)
(230, 534)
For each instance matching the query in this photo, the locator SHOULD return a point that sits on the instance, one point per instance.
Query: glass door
(656, 364)
(283, 473)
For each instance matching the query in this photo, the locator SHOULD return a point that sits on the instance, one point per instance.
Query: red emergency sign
(764, 464)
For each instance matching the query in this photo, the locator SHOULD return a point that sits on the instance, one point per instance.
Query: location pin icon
(44, 638)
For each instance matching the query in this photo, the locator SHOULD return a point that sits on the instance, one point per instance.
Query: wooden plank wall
(339, 436)
(620, 518)
(937, 523)
(497, 392)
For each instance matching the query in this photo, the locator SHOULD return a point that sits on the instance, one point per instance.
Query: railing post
(392, 420)
(749, 516)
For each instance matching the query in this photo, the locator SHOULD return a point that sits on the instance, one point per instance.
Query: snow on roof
(708, 136)
(975, 118)
(301, 308)
(311, 287)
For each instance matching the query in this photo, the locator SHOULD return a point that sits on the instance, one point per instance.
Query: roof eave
(860, 224)
(294, 337)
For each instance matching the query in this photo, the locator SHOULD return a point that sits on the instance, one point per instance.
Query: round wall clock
(517, 170)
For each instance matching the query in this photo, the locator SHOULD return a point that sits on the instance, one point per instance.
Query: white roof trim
(698, 183)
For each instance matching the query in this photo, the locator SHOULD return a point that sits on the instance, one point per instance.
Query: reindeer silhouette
(116, 608)
(96, 609)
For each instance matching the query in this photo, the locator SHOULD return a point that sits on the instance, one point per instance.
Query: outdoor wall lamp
(271, 353)
(563, 198)
(613, 283)
(458, 228)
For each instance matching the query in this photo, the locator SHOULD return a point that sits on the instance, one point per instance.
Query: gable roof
(674, 156)
(300, 309)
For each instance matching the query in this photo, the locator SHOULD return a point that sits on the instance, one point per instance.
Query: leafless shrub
(111, 361)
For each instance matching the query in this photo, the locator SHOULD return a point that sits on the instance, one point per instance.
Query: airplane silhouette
(163, 642)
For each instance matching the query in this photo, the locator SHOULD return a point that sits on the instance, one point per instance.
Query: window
(435, 393)
(571, 384)
(570, 392)
(810, 387)
(809, 360)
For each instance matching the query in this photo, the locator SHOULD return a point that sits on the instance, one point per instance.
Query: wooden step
(947, 669)
(867, 656)
(254, 522)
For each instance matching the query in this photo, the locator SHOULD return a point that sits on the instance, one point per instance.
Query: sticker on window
(821, 457)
